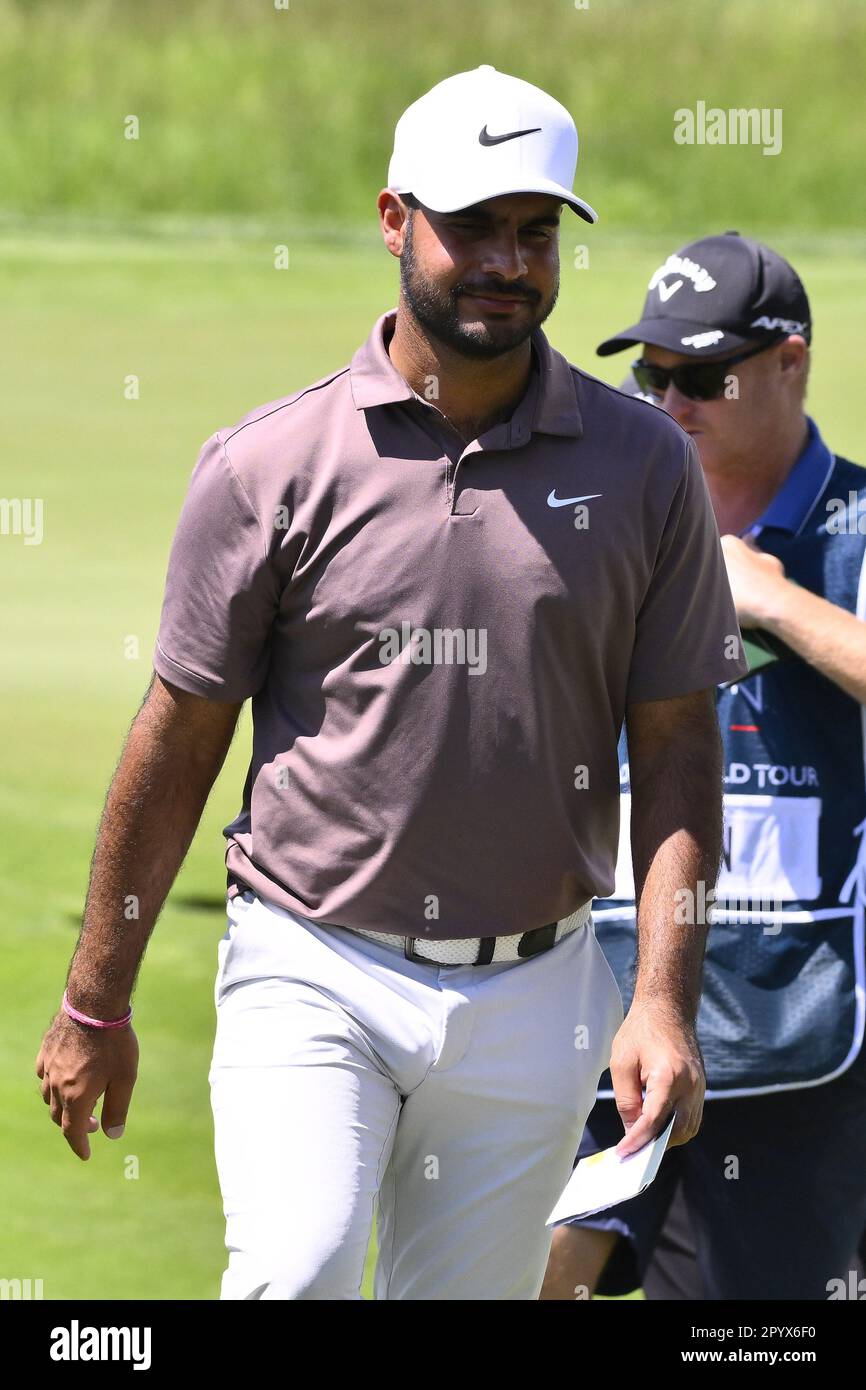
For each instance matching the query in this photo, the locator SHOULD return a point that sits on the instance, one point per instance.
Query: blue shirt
(793, 503)
(784, 994)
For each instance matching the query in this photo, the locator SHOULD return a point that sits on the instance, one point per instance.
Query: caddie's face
(743, 424)
(484, 278)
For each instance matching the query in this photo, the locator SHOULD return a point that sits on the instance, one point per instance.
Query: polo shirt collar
(789, 509)
(375, 381)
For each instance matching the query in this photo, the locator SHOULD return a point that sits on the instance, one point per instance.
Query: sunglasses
(699, 381)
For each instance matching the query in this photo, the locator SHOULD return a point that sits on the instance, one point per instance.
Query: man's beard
(439, 312)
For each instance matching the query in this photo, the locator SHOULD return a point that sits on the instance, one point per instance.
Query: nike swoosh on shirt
(485, 139)
(554, 501)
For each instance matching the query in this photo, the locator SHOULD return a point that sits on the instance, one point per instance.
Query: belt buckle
(485, 951)
(533, 943)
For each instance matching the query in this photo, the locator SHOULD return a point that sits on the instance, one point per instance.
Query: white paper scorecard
(604, 1179)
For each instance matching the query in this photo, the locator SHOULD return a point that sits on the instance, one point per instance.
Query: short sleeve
(220, 595)
(687, 635)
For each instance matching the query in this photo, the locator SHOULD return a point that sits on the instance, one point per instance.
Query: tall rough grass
(247, 111)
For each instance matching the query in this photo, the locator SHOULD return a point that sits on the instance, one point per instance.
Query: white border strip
(818, 495)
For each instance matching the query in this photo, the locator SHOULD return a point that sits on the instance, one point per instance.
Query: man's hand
(172, 755)
(824, 634)
(757, 580)
(76, 1065)
(675, 772)
(656, 1050)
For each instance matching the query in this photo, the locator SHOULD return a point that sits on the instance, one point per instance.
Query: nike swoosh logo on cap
(554, 501)
(485, 139)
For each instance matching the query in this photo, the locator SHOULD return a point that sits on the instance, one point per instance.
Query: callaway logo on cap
(480, 134)
(716, 295)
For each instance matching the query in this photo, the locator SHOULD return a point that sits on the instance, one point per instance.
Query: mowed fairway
(211, 330)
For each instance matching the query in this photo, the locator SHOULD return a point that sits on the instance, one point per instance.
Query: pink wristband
(93, 1022)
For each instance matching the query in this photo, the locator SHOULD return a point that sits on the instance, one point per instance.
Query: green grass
(288, 115)
(211, 330)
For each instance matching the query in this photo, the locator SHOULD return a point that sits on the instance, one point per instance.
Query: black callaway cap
(718, 294)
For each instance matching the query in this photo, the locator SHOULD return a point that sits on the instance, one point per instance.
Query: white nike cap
(480, 134)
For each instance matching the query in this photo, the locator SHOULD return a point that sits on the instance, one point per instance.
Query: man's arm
(675, 770)
(827, 636)
(173, 753)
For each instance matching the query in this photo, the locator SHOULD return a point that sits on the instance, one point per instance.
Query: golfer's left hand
(656, 1052)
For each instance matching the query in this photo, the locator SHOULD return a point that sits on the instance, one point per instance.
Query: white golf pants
(448, 1100)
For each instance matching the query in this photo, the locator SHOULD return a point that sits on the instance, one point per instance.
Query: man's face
(483, 279)
(743, 423)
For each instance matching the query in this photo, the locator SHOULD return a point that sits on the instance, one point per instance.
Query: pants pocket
(236, 910)
(605, 972)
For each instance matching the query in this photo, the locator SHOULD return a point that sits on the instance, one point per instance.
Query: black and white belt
(481, 950)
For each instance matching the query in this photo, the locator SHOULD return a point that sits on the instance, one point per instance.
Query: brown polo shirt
(440, 639)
